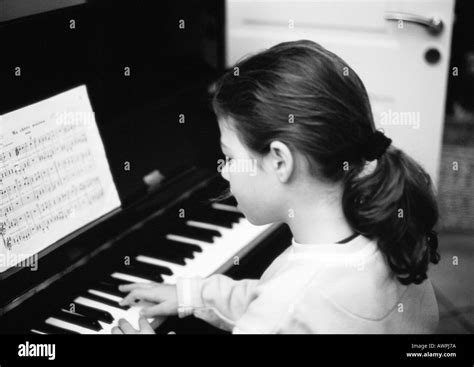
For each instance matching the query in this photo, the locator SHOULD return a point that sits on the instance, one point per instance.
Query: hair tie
(375, 146)
(432, 239)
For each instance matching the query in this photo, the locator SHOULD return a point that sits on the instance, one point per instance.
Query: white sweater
(323, 288)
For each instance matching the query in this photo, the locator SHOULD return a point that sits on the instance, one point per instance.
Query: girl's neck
(317, 218)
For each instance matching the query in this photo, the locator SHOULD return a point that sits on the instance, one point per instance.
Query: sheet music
(54, 174)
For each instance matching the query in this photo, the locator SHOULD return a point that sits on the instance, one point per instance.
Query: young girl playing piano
(361, 211)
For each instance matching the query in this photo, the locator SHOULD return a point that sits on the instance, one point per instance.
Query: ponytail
(333, 124)
(395, 205)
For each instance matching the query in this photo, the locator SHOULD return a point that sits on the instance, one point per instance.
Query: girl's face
(253, 185)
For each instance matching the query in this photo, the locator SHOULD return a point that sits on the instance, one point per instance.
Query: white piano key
(229, 208)
(105, 295)
(205, 225)
(130, 278)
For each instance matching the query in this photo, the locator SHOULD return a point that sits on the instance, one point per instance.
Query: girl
(360, 210)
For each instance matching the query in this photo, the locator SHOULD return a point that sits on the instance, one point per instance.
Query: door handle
(433, 25)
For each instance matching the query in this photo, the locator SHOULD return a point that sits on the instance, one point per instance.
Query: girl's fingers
(125, 327)
(137, 294)
(116, 330)
(162, 309)
(145, 327)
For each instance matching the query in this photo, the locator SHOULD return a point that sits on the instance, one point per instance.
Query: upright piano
(146, 71)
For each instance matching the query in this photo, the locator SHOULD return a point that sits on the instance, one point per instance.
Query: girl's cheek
(234, 183)
(237, 185)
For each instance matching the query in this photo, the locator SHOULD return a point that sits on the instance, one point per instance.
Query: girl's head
(298, 111)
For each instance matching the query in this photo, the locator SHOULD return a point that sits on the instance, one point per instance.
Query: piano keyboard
(206, 243)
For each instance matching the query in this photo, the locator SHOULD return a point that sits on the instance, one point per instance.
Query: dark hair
(308, 98)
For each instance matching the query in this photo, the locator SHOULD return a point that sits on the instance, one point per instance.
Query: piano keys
(208, 240)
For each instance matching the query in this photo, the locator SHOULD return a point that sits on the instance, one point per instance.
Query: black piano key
(178, 248)
(163, 270)
(154, 269)
(229, 201)
(108, 288)
(183, 246)
(92, 312)
(50, 329)
(141, 272)
(160, 253)
(114, 281)
(79, 320)
(236, 216)
(105, 301)
(202, 234)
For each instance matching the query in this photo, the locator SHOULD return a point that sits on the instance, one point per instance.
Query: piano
(161, 140)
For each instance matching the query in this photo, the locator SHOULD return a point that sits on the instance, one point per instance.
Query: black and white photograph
(216, 167)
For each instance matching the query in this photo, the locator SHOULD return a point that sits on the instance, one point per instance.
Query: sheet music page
(54, 174)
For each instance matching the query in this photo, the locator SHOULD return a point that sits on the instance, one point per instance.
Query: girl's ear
(281, 160)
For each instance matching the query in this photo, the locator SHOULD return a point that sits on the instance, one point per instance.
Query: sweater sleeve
(218, 299)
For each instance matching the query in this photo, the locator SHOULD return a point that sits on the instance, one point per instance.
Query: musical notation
(54, 175)
(53, 210)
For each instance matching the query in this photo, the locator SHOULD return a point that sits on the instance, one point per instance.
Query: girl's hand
(124, 327)
(163, 294)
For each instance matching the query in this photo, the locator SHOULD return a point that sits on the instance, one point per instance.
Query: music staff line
(26, 191)
(42, 154)
(35, 143)
(59, 208)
